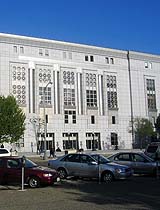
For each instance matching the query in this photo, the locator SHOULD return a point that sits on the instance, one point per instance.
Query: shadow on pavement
(136, 193)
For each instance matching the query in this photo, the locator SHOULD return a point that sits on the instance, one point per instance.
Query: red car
(34, 175)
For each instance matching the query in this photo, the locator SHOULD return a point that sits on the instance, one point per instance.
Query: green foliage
(11, 120)
(143, 130)
(157, 124)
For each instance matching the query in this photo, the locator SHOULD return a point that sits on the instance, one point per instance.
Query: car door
(2, 170)
(13, 171)
(124, 159)
(72, 164)
(142, 165)
(89, 167)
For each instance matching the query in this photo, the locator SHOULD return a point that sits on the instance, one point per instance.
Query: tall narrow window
(15, 49)
(21, 50)
(86, 57)
(66, 117)
(151, 94)
(69, 97)
(111, 60)
(92, 119)
(114, 139)
(69, 88)
(47, 96)
(112, 92)
(91, 58)
(91, 92)
(146, 65)
(107, 60)
(113, 120)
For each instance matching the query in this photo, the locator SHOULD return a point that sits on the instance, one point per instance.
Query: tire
(107, 177)
(62, 173)
(34, 182)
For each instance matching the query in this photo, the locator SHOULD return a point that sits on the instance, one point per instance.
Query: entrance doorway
(93, 141)
(50, 142)
(70, 141)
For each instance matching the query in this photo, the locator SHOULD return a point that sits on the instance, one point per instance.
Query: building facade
(87, 95)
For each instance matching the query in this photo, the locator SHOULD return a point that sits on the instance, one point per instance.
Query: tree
(12, 119)
(157, 126)
(143, 130)
(36, 122)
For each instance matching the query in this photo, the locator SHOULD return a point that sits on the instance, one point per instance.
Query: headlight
(47, 175)
(119, 170)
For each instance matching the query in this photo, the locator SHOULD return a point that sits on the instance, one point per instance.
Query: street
(134, 194)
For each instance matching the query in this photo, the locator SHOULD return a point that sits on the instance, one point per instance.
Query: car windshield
(30, 164)
(101, 159)
(152, 149)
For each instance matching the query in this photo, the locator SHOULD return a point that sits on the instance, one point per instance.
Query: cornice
(74, 47)
(59, 45)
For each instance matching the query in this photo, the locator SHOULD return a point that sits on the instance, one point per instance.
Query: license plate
(58, 179)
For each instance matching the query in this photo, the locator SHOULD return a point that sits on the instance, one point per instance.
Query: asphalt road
(138, 193)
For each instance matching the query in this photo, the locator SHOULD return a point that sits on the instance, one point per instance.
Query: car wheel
(107, 177)
(34, 182)
(62, 173)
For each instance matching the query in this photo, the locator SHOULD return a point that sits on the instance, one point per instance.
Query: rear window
(152, 149)
(71, 158)
(3, 151)
(1, 163)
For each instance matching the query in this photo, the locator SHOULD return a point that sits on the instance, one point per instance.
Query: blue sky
(120, 24)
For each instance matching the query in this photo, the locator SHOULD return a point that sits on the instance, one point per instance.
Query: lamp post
(93, 142)
(36, 126)
(44, 117)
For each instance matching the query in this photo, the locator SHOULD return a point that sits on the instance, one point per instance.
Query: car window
(86, 159)
(152, 149)
(30, 164)
(13, 164)
(1, 163)
(122, 157)
(138, 158)
(101, 159)
(72, 158)
(3, 151)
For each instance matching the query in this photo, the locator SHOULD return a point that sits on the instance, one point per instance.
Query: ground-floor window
(93, 141)
(50, 143)
(114, 139)
(70, 141)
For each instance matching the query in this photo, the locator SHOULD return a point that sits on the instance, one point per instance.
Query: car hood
(116, 164)
(44, 169)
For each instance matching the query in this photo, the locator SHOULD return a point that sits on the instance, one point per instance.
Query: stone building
(87, 95)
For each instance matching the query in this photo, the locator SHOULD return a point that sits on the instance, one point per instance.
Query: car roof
(132, 152)
(4, 149)
(10, 157)
(125, 152)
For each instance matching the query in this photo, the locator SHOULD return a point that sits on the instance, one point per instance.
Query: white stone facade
(93, 96)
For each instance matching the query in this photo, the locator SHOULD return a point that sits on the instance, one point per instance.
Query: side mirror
(93, 163)
(157, 157)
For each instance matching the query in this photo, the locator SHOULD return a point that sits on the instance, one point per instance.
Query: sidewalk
(58, 154)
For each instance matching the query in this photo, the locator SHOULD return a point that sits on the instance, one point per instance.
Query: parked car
(4, 152)
(153, 149)
(141, 163)
(85, 165)
(34, 175)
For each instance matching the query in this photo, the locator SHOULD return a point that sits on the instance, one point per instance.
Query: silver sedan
(84, 165)
(141, 163)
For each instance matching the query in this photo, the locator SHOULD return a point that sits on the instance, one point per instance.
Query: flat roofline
(71, 44)
(59, 42)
